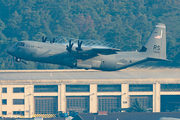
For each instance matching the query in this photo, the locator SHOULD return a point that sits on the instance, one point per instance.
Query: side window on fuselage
(20, 44)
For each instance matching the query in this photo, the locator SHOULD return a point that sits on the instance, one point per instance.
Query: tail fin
(155, 46)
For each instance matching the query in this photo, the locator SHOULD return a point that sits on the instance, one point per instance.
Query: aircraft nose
(10, 50)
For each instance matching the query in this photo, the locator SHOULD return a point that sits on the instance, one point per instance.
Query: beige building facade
(44, 93)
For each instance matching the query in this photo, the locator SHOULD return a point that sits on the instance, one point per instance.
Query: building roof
(62, 118)
(125, 116)
(130, 75)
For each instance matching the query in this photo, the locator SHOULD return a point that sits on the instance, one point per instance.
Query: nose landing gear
(17, 59)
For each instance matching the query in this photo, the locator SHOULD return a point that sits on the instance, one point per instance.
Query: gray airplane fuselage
(92, 58)
(57, 54)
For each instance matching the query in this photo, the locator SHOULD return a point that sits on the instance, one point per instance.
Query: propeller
(52, 41)
(44, 40)
(69, 47)
(79, 46)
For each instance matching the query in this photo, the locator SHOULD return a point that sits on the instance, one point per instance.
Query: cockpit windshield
(20, 44)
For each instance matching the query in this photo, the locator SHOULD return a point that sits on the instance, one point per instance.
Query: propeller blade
(69, 42)
(79, 46)
(69, 47)
(53, 40)
(72, 45)
(44, 40)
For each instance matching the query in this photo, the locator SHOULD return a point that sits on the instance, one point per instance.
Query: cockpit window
(20, 44)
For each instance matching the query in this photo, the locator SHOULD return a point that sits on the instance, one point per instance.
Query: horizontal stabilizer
(157, 59)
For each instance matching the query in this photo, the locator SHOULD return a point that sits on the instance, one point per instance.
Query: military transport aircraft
(106, 59)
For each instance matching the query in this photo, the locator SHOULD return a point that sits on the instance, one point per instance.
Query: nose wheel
(17, 59)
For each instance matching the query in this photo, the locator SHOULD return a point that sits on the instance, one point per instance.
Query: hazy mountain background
(126, 23)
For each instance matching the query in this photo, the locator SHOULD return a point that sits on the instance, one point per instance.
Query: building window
(109, 103)
(109, 88)
(45, 88)
(18, 90)
(170, 103)
(4, 112)
(18, 113)
(18, 101)
(77, 88)
(46, 105)
(78, 104)
(145, 101)
(140, 87)
(4, 101)
(170, 87)
(4, 90)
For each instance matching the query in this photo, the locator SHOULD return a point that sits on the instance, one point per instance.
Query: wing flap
(106, 51)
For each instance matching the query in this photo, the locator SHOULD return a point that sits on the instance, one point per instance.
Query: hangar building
(35, 93)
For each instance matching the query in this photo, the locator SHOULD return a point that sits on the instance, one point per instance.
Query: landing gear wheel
(17, 59)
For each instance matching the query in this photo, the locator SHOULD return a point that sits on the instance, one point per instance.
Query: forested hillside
(126, 23)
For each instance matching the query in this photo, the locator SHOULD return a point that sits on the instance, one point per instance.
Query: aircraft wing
(90, 53)
(106, 51)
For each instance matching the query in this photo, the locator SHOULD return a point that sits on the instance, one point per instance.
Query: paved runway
(132, 73)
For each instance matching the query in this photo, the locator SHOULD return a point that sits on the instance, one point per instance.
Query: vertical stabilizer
(155, 46)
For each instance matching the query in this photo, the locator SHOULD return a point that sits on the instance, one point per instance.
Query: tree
(2, 25)
(125, 23)
(24, 35)
(136, 107)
